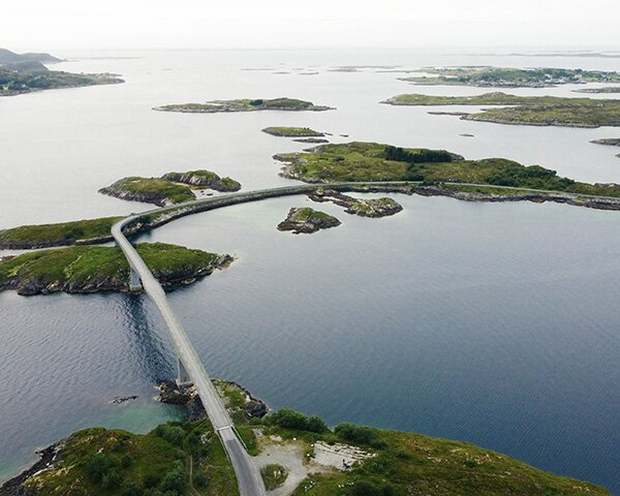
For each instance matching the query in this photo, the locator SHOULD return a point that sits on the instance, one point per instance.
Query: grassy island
(359, 161)
(606, 90)
(61, 234)
(528, 110)
(293, 132)
(89, 269)
(203, 179)
(510, 77)
(243, 105)
(26, 73)
(307, 220)
(186, 458)
(171, 188)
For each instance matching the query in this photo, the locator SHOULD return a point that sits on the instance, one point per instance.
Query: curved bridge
(190, 367)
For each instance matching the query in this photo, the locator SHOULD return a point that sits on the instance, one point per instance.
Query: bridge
(191, 368)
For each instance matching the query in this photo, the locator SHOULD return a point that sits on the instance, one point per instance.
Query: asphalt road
(248, 476)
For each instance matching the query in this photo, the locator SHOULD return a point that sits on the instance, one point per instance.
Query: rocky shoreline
(204, 179)
(48, 456)
(379, 207)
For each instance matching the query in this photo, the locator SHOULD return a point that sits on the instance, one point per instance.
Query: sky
(203, 24)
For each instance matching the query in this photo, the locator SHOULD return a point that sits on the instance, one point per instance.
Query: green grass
(535, 110)
(412, 464)
(367, 162)
(151, 190)
(307, 214)
(109, 462)
(510, 77)
(203, 179)
(92, 268)
(12, 82)
(64, 233)
(274, 476)
(243, 105)
(293, 132)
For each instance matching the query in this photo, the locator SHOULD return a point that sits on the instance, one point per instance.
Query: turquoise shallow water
(491, 323)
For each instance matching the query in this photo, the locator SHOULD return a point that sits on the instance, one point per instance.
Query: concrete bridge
(190, 367)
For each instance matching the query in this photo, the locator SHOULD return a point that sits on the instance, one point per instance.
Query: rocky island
(607, 142)
(203, 179)
(92, 269)
(506, 77)
(376, 207)
(527, 110)
(244, 105)
(307, 220)
(293, 132)
(297, 455)
(171, 188)
(26, 73)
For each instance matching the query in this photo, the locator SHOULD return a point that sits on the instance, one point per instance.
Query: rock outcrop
(379, 207)
(307, 220)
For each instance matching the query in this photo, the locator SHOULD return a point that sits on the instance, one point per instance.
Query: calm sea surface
(491, 323)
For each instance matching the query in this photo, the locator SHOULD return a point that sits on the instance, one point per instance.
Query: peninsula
(26, 73)
(527, 110)
(297, 455)
(509, 77)
(244, 105)
(92, 269)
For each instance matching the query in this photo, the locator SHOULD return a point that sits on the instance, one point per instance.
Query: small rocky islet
(306, 220)
(373, 207)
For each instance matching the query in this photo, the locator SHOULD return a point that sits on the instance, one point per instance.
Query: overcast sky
(48, 24)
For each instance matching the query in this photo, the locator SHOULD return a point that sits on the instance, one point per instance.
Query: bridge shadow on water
(145, 344)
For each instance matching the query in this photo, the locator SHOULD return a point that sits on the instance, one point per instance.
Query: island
(307, 220)
(26, 73)
(528, 110)
(507, 180)
(506, 77)
(92, 269)
(171, 188)
(204, 179)
(605, 90)
(297, 455)
(375, 207)
(244, 105)
(293, 132)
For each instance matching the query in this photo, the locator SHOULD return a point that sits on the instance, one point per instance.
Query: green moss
(64, 233)
(293, 132)
(534, 110)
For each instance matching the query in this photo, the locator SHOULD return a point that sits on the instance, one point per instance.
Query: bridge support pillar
(183, 377)
(135, 284)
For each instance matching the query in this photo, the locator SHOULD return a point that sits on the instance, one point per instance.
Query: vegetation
(510, 77)
(115, 462)
(274, 476)
(529, 110)
(25, 73)
(150, 190)
(83, 269)
(605, 90)
(242, 105)
(307, 220)
(406, 463)
(293, 132)
(203, 179)
(65, 233)
(369, 162)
